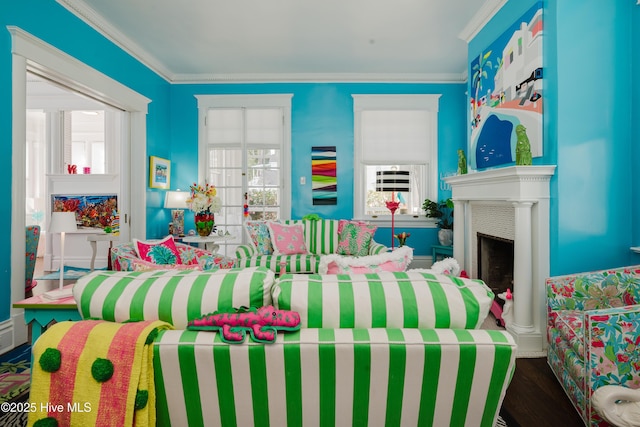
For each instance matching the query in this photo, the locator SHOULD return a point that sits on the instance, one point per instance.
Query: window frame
(283, 101)
(423, 102)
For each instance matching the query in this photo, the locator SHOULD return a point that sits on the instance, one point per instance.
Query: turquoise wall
(635, 118)
(50, 22)
(322, 114)
(588, 65)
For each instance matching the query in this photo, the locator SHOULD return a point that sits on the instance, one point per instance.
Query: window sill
(410, 222)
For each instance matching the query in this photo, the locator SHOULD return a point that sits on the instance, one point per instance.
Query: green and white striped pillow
(172, 296)
(384, 300)
(321, 236)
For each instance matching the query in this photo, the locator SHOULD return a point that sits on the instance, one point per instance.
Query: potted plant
(442, 211)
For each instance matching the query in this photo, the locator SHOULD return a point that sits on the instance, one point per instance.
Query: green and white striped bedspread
(341, 377)
(384, 300)
(174, 296)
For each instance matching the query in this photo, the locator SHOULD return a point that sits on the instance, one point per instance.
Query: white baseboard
(20, 329)
(6, 336)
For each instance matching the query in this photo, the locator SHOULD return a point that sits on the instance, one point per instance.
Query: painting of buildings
(506, 91)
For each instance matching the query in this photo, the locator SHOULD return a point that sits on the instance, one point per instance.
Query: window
(244, 149)
(395, 132)
(84, 140)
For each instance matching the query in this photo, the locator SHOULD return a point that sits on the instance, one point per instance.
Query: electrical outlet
(303, 180)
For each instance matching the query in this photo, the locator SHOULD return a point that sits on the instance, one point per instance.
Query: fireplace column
(523, 269)
(460, 221)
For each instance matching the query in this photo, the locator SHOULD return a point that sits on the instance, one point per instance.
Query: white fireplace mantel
(515, 182)
(524, 193)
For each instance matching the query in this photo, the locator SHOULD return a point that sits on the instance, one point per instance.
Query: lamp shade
(62, 222)
(176, 199)
(393, 181)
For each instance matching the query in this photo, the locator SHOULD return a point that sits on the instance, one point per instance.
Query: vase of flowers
(205, 204)
(402, 238)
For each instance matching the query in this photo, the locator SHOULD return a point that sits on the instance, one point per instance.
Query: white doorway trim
(35, 55)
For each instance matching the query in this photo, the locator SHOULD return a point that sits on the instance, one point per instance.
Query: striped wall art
(323, 175)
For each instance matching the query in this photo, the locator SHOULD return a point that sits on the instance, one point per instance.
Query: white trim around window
(428, 103)
(206, 102)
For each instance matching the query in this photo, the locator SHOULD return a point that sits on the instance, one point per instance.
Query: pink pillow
(287, 239)
(354, 238)
(158, 251)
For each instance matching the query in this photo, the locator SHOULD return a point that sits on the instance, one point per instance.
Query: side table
(439, 250)
(101, 237)
(208, 242)
(40, 312)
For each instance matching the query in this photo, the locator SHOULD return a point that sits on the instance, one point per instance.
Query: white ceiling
(275, 40)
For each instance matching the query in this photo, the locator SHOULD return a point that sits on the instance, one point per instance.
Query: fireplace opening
(495, 263)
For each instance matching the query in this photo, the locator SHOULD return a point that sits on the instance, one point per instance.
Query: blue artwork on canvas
(506, 91)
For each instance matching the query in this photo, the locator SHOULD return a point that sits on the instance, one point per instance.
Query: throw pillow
(397, 260)
(287, 239)
(188, 255)
(259, 235)
(354, 238)
(158, 251)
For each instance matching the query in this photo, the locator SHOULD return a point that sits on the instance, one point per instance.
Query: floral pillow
(354, 238)
(259, 235)
(158, 251)
(287, 239)
(188, 255)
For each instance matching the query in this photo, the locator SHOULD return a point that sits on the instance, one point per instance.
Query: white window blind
(395, 136)
(395, 132)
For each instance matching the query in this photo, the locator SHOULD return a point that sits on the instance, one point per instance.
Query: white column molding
(459, 208)
(522, 269)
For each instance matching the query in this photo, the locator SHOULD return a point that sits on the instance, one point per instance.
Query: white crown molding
(88, 15)
(319, 78)
(480, 19)
(80, 9)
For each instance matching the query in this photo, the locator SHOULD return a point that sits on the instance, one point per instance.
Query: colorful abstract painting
(92, 210)
(506, 94)
(323, 175)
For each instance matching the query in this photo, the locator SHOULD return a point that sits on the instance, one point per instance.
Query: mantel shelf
(66, 177)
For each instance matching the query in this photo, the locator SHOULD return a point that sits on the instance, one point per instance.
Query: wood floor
(536, 399)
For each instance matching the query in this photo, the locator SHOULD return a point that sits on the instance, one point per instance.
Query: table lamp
(394, 181)
(61, 222)
(177, 201)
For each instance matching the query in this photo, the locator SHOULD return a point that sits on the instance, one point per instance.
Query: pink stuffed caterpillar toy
(262, 323)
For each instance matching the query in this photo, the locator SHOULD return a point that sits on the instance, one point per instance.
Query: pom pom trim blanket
(94, 372)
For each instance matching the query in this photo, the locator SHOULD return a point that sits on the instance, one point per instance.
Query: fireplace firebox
(495, 268)
(495, 262)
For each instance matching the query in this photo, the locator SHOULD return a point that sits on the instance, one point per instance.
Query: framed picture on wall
(159, 172)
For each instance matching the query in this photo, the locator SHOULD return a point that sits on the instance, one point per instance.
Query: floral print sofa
(125, 258)
(594, 333)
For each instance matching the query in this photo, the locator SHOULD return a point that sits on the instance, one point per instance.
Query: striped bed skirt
(342, 377)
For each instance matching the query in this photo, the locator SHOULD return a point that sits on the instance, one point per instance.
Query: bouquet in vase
(204, 202)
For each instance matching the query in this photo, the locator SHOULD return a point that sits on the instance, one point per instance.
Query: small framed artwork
(159, 172)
